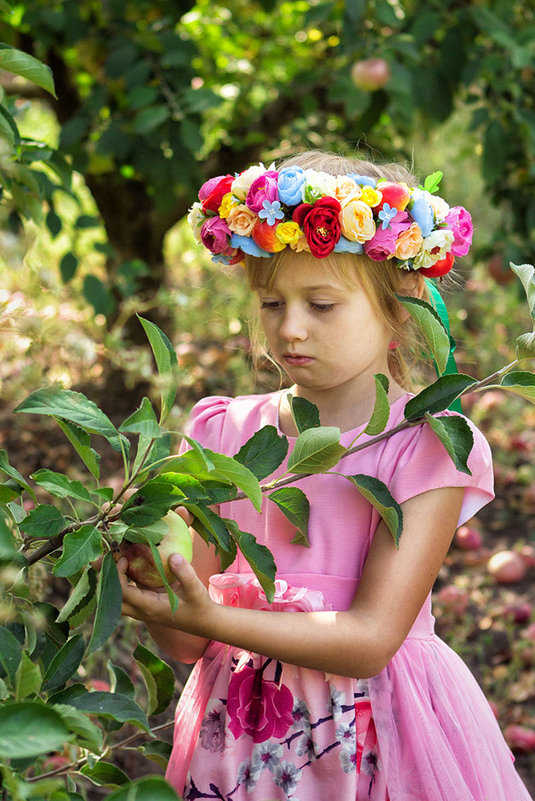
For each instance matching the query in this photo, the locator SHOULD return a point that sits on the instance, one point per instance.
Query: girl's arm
(358, 642)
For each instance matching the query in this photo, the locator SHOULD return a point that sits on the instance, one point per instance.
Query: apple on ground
(141, 567)
(468, 538)
(506, 567)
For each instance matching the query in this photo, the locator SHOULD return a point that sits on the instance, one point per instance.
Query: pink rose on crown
(459, 221)
(257, 707)
(215, 235)
(383, 243)
(263, 188)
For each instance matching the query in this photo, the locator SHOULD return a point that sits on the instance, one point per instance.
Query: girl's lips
(296, 360)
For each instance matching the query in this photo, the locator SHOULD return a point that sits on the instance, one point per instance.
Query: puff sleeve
(418, 462)
(205, 422)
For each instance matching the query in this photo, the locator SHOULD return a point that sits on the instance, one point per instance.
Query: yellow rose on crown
(288, 233)
(227, 203)
(356, 221)
(371, 196)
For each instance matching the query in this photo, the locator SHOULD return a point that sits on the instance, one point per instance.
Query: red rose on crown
(320, 224)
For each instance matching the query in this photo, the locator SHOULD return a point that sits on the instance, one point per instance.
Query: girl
(339, 689)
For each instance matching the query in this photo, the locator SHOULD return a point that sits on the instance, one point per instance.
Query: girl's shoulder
(415, 460)
(214, 419)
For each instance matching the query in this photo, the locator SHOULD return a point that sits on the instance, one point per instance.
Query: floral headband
(261, 211)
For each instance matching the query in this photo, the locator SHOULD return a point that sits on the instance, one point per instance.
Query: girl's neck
(341, 410)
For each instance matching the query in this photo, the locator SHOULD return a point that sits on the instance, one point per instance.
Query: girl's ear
(413, 286)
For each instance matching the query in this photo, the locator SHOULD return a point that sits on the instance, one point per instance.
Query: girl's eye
(270, 304)
(323, 307)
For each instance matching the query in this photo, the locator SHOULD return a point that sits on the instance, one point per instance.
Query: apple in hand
(141, 567)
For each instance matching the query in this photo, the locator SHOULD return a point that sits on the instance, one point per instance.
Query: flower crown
(261, 211)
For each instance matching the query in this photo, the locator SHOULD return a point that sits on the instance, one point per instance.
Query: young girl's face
(324, 334)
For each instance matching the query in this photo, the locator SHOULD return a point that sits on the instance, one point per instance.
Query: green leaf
(378, 494)
(432, 328)
(43, 522)
(82, 599)
(27, 678)
(109, 601)
(30, 728)
(9, 491)
(121, 681)
(65, 663)
(229, 469)
(158, 751)
(10, 653)
(456, 436)
(159, 679)
(27, 66)
(316, 450)
(142, 421)
(526, 273)
(76, 408)
(90, 735)
(432, 182)
(294, 504)
(495, 151)
(68, 266)
(521, 382)
(305, 414)
(210, 526)
(60, 486)
(79, 548)
(5, 467)
(259, 557)
(113, 706)
(438, 396)
(525, 346)
(381, 410)
(80, 440)
(105, 774)
(8, 128)
(166, 362)
(155, 498)
(151, 788)
(264, 452)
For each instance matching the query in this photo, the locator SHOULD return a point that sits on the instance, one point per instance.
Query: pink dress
(250, 728)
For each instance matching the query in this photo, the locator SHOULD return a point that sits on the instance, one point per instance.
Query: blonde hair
(382, 281)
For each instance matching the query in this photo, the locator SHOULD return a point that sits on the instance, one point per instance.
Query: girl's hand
(152, 606)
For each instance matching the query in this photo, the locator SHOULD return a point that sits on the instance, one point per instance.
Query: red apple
(454, 599)
(498, 270)
(141, 567)
(396, 195)
(519, 611)
(468, 538)
(98, 684)
(520, 738)
(370, 74)
(506, 567)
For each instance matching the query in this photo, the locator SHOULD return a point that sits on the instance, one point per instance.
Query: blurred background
(153, 98)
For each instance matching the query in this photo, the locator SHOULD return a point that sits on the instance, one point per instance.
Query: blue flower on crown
(248, 245)
(290, 185)
(363, 180)
(387, 214)
(271, 211)
(421, 212)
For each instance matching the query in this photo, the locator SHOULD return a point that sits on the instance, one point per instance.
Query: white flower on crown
(439, 206)
(196, 217)
(321, 181)
(242, 183)
(434, 248)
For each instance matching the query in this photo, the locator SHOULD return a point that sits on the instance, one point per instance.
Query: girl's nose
(293, 326)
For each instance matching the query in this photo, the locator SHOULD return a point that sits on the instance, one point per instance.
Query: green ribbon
(440, 308)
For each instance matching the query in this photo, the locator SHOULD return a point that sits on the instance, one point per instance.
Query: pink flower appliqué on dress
(259, 708)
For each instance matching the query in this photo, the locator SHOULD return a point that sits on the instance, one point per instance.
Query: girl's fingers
(185, 514)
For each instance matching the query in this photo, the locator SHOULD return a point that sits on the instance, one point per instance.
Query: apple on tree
(370, 74)
(141, 566)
